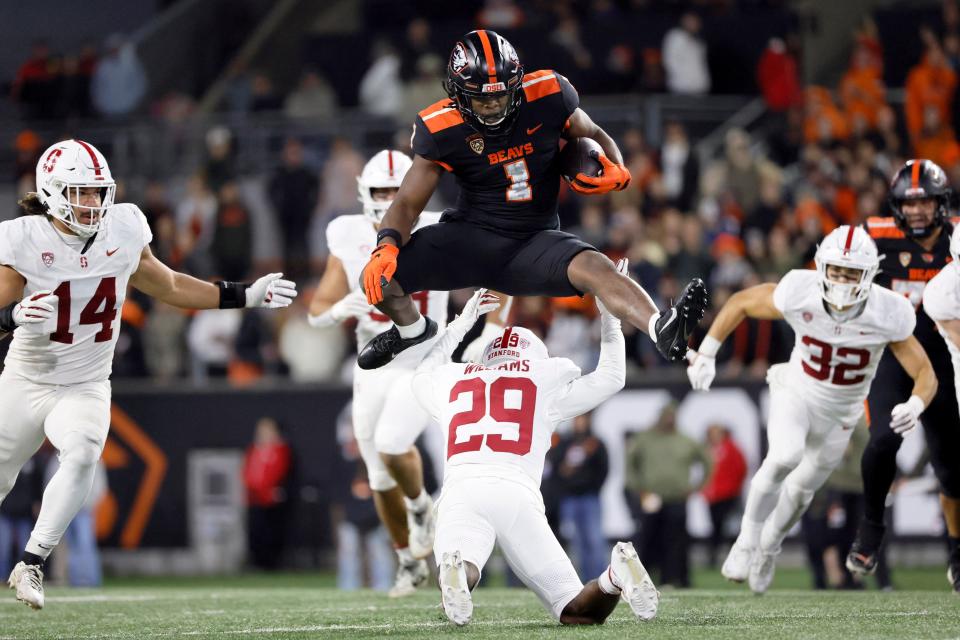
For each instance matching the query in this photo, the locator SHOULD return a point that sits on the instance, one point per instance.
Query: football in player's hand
(575, 157)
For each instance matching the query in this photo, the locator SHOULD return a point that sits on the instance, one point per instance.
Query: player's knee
(80, 451)
(377, 472)
(798, 493)
(949, 481)
(773, 471)
(886, 443)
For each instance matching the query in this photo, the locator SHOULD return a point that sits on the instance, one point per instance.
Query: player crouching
(842, 324)
(500, 415)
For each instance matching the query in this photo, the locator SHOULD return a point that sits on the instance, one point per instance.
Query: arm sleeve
(569, 95)
(586, 392)
(422, 141)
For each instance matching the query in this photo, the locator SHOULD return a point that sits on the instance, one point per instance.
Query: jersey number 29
(496, 391)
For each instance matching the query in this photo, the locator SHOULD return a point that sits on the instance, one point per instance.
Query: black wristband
(389, 233)
(233, 295)
(6, 318)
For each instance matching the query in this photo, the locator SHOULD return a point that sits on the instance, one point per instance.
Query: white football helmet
(385, 170)
(514, 344)
(853, 248)
(955, 244)
(64, 169)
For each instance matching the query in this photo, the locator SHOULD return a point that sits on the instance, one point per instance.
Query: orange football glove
(379, 271)
(613, 177)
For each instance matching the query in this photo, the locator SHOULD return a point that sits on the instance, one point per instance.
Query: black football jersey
(906, 267)
(507, 184)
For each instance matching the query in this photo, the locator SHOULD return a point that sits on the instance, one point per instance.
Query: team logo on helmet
(458, 59)
(905, 258)
(476, 143)
(47, 257)
(51, 160)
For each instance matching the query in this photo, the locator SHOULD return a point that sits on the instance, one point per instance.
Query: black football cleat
(860, 561)
(953, 576)
(388, 345)
(675, 325)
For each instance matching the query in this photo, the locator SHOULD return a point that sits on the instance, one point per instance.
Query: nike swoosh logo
(532, 131)
(110, 253)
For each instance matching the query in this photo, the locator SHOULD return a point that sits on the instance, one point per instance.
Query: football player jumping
(499, 133)
(842, 324)
(941, 301)
(63, 279)
(499, 416)
(386, 418)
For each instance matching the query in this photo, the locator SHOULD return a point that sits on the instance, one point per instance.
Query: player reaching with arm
(63, 279)
(941, 301)
(499, 133)
(386, 418)
(915, 245)
(843, 324)
(499, 416)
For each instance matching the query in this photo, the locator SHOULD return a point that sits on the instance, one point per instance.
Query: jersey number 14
(102, 309)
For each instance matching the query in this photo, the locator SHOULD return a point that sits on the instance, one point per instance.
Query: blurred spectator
(18, 510)
(424, 88)
(571, 330)
(417, 43)
(825, 123)
(363, 545)
(339, 179)
(684, 242)
(685, 57)
(195, 217)
(723, 489)
(27, 147)
(119, 81)
(128, 357)
(164, 347)
(579, 464)
(313, 97)
(381, 91)
(267, 474)
(779, 77)
(293, 191)
(31, 86)
(568, 40)
(159, 214)
(653, 78)
(679, 168)
(861, 90)
(263, 95)
(232, 244)
(936, 139)
(931, 83)
(312, 354)
(738, 172)
(211, 337)
(658, 469)
(218, 166)
(500, 14)
(732, 267)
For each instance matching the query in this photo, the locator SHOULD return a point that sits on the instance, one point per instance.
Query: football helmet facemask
(849, 247)
(385, 170)
(63, 171)
(917, 180)
(483, 65)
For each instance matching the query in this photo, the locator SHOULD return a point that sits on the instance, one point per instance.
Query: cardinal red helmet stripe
(505, 338)
(93, 156)
(488, 54)
(846, 246)
(390, 162)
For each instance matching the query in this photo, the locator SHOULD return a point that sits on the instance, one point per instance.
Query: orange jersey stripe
(883, 227)
(440, 115)
(488, 54)
(540, 84)
(444, 165)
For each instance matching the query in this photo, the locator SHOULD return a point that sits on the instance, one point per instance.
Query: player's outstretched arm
(495, 322)
(181, 290)
(755, 302)
(479, 304)
(911, 356)
(587, 392)
(333, 302)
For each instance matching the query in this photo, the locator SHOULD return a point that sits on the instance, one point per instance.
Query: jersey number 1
(522, 416)
(519, 176)
(105, 296)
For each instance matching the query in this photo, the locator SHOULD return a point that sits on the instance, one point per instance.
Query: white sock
(413, 330)
(404, 555)
(607, 582)
(419, 503)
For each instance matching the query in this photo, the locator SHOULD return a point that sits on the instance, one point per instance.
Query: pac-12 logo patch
(476, 143)
(807, 316)
(47, 257)
(458, 59)
(905, 258)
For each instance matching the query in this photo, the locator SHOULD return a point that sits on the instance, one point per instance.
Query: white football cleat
(736, 567)
(27, 579)
(762, 567)
(636, 587)
(423, 529)
(409, 578)
(454, 591)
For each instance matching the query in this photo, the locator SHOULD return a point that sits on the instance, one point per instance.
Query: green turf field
(306, 606)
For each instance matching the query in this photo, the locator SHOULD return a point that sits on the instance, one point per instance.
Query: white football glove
(35, 309)
(702, 370)
(352, 305)
(905, 416)
(474, 351)
(270, 292)
(479, 304)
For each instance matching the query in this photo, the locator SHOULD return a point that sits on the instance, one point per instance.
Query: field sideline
(306, 606)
